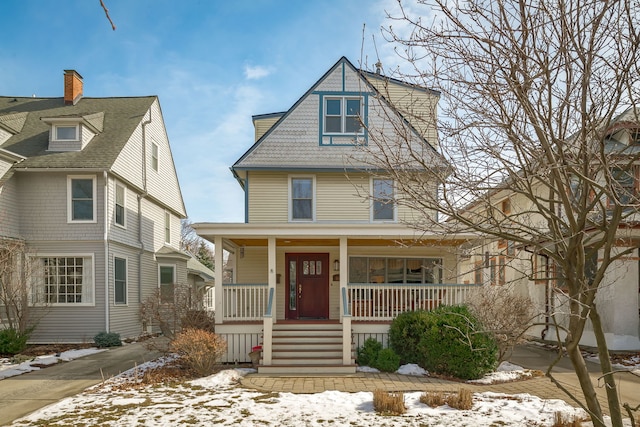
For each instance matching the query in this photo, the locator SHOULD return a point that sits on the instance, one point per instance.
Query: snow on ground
(11, 369)
(219, 400)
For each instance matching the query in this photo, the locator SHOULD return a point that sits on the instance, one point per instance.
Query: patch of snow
(412, 369)
(8, 369)
(367, 369)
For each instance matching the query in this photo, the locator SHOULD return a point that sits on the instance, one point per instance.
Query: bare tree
(191, 242)
(531, 97)
(16, 272)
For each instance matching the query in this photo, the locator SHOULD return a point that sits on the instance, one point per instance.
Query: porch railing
(243, 302)
(384, 301)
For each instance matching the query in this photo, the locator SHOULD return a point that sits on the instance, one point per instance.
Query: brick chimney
(72, 87)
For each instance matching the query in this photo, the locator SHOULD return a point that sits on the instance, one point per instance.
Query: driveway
(26, 393)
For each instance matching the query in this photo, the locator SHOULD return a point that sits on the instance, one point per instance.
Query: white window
(65, 280)
(301, 191)
(120, 213)
(154, 156)
(343, 115)
(81, 198)
(166, 282)
(66, 132)
(119, 280)
(167, 227)
(383, 206)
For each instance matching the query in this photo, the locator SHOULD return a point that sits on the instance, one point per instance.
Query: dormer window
(66, 133)
(343, 115)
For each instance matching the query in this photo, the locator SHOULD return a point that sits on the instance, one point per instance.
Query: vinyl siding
(125, 319)
(72, 323)
(418, 106)
(268, 197)
(9, 209)
(162, 184)
(43, 208)
(338, 198)
(261, 126)
(129, 234)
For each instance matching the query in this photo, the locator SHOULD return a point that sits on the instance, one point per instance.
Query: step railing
(384, 301)
(244, 302)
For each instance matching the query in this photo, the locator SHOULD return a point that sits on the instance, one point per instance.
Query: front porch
(322, 346)
(344, 281)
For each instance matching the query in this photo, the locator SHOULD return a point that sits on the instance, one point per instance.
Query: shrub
(107, 339)
(453, 343)
(387, 360)
(199, 350)
(368, 353)
(405, 333)
(504, 314)
(462, 400)
(387, 403)
(12, 341)
(198, 319)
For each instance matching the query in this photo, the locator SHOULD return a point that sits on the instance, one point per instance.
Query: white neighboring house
(90, 185)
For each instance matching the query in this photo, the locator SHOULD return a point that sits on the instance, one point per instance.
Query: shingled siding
(69, 323)
(44, 203)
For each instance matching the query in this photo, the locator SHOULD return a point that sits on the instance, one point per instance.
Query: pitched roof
(121, 116)
(292, 144)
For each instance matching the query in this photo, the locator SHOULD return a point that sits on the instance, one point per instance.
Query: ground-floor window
(65, 280)
(395, 270)
(120, 280)
(167, 283)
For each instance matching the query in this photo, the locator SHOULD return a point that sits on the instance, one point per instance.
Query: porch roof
(328, 234)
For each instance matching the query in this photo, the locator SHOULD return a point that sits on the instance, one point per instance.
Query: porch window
(302, 199)
(395, 270)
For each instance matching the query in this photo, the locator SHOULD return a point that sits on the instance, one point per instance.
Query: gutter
(140, 198)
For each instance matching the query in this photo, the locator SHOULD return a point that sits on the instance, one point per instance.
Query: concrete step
(308, 353)
(315, 346)
(296, 370)
(305, 339)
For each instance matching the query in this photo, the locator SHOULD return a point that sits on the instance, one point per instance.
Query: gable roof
(118, 118)
(293, 152)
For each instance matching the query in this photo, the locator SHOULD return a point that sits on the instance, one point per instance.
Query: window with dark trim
(119, 280)
(120, 205)
(343, 115)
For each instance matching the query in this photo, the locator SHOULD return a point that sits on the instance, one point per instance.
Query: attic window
(343, 115)
(66, 132)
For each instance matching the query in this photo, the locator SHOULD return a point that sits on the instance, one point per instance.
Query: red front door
(307, 282)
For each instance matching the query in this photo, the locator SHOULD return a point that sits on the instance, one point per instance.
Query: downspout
(140, 198)
(106, 251)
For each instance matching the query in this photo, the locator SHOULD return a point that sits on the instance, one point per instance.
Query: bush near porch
(448, 340)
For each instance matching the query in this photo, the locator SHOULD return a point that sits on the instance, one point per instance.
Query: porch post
(218, 269)
(343, 272)
(270, 318)
(345, 312)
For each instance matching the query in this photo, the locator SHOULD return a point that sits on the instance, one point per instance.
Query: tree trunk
(607, 370)
(580, 367)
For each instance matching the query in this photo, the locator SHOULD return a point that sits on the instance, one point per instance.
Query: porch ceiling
(289, 242)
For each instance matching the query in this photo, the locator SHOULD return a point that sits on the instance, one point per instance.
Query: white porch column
(218, 269)
(345, 316)
(344, 268)
(270, 317)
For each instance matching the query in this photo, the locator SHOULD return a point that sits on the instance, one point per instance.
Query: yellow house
(327, 257)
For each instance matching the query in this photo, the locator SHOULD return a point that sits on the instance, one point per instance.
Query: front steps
(307, 348)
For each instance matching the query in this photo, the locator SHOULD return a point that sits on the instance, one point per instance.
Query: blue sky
(213, 64)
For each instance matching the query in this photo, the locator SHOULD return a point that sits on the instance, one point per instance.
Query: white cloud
(256, 72)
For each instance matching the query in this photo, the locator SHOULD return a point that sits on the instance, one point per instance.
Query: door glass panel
(292, 285)
(318, 268)
(305, 268)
